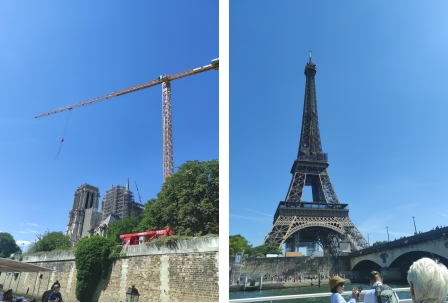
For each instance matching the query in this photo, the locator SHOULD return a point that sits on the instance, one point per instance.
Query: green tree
(147, 216)
(125, 226)
(263, 250)
(8, 245)
(236, 244)
(93, 258)
(50, 241)
(379, 242)
(188, 201)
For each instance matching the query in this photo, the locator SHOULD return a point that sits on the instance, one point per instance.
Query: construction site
(119, 201)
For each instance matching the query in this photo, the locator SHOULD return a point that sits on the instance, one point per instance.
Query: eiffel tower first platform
(325, 220)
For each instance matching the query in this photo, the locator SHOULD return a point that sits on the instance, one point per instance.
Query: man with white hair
(428, 281)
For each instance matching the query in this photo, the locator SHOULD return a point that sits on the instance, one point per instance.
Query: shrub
(93, 258)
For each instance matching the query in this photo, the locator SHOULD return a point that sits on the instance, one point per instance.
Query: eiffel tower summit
(323, 221)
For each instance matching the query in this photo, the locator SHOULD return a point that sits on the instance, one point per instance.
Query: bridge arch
(367, 266)
(405, 260)
(398, 256)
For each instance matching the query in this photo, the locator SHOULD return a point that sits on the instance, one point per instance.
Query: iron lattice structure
(325, 220)
(168, 159)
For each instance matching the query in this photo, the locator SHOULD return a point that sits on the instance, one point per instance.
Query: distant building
(84, 214)
(104, 225)
(85, 220)
(119, 201)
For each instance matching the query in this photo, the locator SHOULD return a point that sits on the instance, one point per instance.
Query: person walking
(428, 281)
(337, 288)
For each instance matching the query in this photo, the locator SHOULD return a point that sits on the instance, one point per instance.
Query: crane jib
(168, 159)
(167, 78)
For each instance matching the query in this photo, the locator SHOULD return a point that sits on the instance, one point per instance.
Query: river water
(308, 290)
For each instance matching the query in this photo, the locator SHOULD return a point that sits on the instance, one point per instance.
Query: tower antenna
(310, 55)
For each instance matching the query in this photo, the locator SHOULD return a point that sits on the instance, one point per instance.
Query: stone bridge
(394, 258)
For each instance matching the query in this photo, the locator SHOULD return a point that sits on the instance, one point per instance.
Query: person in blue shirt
(337, 288)
(55, 296)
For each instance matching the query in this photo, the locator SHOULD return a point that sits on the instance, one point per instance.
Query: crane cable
(63, 135)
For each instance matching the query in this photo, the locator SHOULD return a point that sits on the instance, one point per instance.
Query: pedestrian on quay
(48, 292)
(379, 291)
(55, 296)
(428, 281)
(7, 296)
(337, 288)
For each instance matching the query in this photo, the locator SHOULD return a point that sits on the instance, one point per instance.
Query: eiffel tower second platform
(325, 220)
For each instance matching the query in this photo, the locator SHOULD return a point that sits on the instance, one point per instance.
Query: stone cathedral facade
(85, 220)
(84, 214)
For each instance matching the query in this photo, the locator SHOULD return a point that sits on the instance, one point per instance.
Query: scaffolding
(119, 201)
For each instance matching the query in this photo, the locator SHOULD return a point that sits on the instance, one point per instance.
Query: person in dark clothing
(48, 292)
(55, 296)
(7, 296)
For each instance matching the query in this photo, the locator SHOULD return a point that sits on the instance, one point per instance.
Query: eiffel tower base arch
(331, 233)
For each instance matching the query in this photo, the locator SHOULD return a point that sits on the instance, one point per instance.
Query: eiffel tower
(325, 220)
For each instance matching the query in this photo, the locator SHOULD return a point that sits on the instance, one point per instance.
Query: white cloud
(33, 224)
(20, 242)
(26, 231)
(258, 212)
(251, 218)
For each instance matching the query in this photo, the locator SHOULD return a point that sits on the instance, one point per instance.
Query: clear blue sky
(382, 69)
(54, 54)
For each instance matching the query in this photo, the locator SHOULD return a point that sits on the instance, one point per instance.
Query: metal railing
(307, 296)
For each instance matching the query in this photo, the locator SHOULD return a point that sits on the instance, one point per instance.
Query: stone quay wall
(187, 271)
(290, 266)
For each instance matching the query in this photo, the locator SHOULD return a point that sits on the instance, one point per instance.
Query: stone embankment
(187, 271)
(289, 266)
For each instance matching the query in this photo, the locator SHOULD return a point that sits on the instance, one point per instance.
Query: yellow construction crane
(167, 140)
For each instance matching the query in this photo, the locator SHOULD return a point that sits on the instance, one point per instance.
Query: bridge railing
(419, 238)
(307, 296)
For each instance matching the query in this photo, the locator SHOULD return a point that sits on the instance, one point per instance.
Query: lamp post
(387, 233)
(132, 294)
(414, 226)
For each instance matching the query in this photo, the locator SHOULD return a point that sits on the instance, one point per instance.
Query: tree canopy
(238, 243)
(125, 226)
(50, 241)
(8, 245)
(263, 250)
(188, 201)
(379, 242)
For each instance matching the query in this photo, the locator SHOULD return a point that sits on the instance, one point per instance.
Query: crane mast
(167, 138)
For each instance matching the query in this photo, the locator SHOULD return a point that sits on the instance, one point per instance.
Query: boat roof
(8, 265)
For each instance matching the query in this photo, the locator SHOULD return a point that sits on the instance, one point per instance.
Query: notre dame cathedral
(85, 220)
